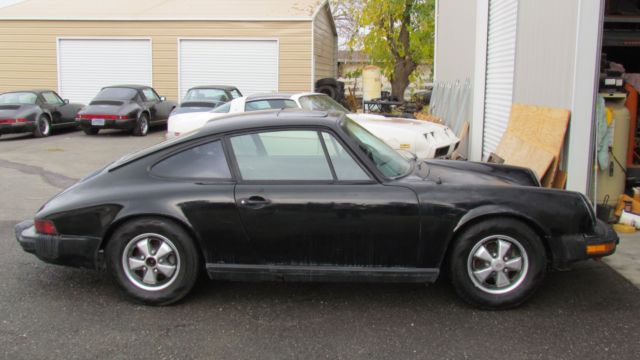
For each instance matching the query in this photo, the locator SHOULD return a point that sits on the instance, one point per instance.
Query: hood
(184, 122)
(397, 123)
(455, 172)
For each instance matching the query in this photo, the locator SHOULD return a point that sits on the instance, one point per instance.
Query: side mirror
(163, 98)
(66, 101)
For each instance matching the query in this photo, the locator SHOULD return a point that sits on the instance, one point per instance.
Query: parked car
(206, 97)
(133, 108)
(422, 139)
(35, 111)
(312, 196)
(182, 123)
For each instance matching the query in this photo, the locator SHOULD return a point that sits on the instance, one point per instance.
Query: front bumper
(17, 128)
(125, 124)
(571, 248)
(77, 251)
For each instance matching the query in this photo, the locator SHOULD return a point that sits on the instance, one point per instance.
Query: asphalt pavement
(53, 312)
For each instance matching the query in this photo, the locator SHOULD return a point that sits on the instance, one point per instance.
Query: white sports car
(421, 138)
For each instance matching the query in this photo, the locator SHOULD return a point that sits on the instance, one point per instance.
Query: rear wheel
(91, 130)
(142, 125)
(497, 263)
(153, 260)
(43, 127)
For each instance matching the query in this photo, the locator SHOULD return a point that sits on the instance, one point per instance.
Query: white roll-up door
(87, 65)
(501, 53)
(250, 65)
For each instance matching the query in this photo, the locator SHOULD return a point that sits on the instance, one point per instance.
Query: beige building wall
(325, 45)
(28, 56)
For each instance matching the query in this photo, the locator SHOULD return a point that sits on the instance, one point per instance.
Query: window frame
(235, 169)
(144, 96)
(44, 98)
(198, 180)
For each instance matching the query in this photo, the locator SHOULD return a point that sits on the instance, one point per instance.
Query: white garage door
(87, 65)
(250, 65)
(501, 53)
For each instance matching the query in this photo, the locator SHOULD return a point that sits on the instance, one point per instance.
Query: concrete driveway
(47, 311)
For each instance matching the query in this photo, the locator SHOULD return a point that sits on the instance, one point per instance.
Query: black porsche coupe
(133, 108)
(35, 111)
(311, 196)
(206, 97)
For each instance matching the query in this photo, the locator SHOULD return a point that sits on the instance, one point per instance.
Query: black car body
(35, 111)
(206, 97)
(133, 108)
(343, 207)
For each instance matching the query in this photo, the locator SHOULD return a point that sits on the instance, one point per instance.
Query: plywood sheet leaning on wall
(541, 127)
(518, 152)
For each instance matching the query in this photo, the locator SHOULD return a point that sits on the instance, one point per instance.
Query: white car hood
(397, 124)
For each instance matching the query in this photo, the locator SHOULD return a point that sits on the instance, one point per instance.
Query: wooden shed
(79, 46)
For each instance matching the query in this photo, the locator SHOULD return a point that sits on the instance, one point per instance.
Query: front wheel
(497, 264)
(43, 127)
(153, 260)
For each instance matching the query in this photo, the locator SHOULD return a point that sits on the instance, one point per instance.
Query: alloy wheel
(151, 262)
(497, 264)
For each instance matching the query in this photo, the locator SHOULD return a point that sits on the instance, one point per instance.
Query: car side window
(295, 155)
(346, 168)
(150, 95)
(51, 98)
(205, 161)
(235, 94)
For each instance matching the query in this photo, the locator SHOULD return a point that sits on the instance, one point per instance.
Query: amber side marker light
(600, 248)
(46, 227)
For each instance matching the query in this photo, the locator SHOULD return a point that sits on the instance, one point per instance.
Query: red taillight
(44, 226)
(102, 116)
(13, 121)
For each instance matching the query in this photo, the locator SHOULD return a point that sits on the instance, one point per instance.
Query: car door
(61, 112)
(159, 109)
(300, 208)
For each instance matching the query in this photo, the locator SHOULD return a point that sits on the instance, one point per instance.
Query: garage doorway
(251, 65)
(87, 65)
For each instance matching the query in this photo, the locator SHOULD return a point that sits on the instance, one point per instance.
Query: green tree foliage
(398, 36)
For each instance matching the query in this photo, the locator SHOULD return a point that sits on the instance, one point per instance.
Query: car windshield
(206, 95)
(18, 98)
(387, 160)
(115, 93)
(321, 103)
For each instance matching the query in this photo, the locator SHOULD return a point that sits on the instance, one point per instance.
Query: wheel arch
(180, 222)
(479, 215)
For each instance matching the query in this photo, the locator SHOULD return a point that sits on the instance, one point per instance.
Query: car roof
(37, 91)
(257, 119)
(130, 86)
(223, 87)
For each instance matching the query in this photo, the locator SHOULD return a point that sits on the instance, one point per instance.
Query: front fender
(499, 210)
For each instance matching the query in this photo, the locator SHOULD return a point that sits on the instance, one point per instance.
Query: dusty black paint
(404, 223)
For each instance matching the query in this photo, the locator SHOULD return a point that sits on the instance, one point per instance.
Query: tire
(144, 275)
(91, 130)
(43, 127)
(508, 282)
(328, 90)
(142, 125)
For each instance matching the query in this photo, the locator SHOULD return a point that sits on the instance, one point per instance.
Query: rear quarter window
(206, 161)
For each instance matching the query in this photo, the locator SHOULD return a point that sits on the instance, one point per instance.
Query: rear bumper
(571, 248)
(77, 251)
(17, 128)
(126, 124)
